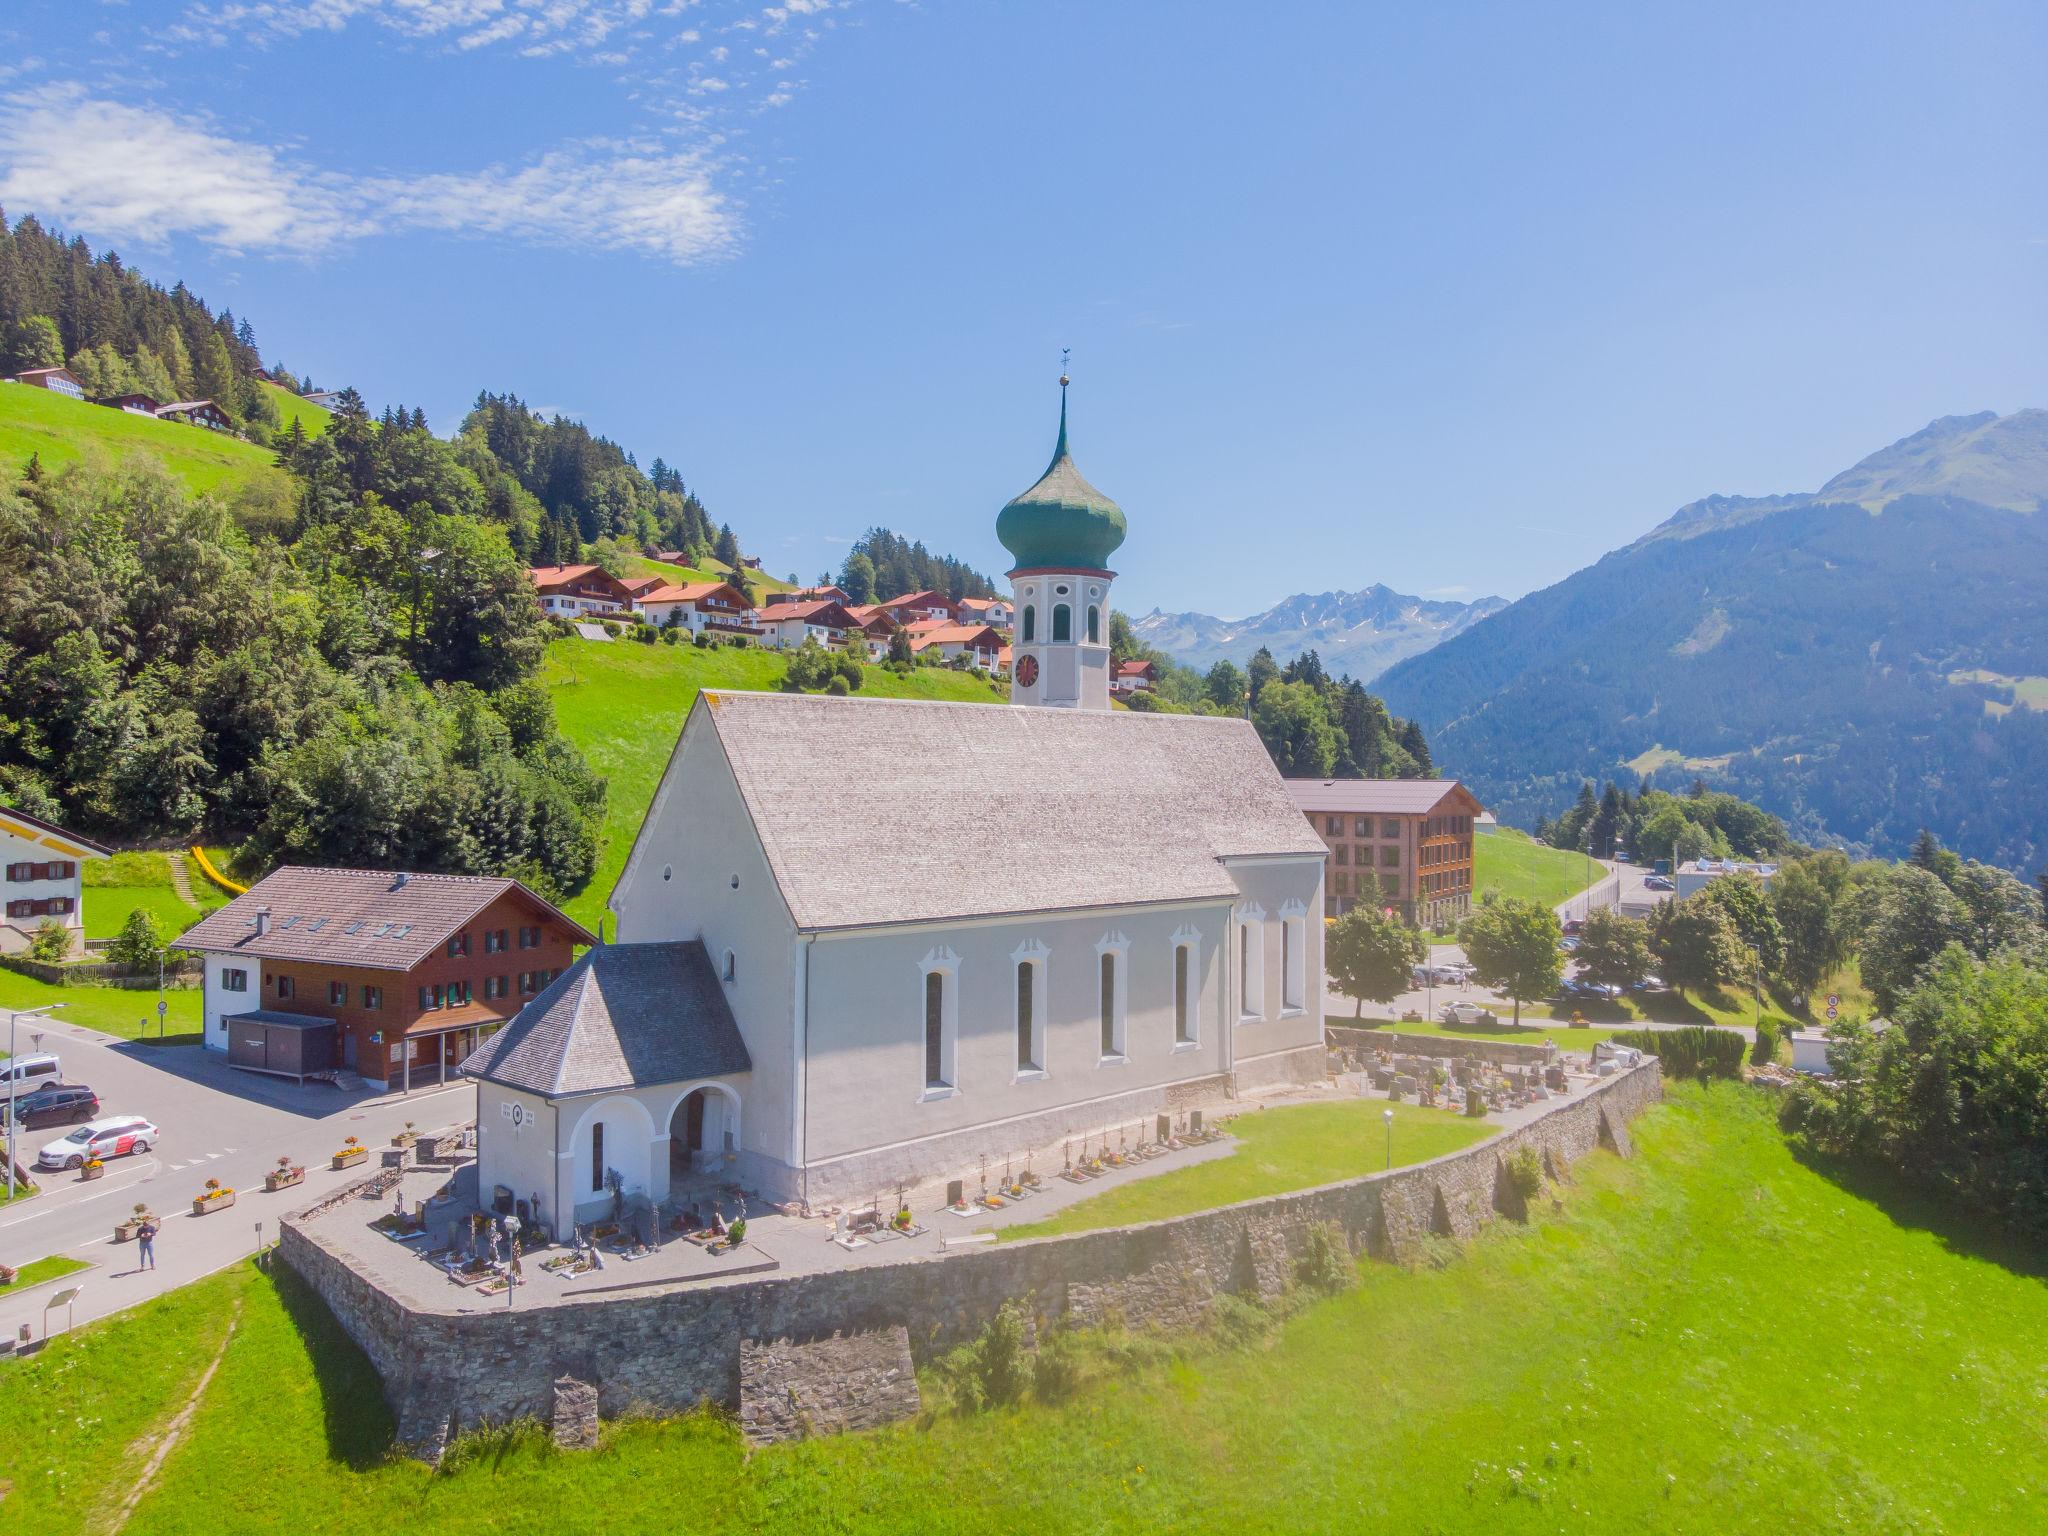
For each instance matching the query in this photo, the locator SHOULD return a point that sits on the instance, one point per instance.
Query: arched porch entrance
(704, 1131)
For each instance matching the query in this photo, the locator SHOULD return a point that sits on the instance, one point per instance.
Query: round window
(1060, 591)
(666, 871)
(735, 882)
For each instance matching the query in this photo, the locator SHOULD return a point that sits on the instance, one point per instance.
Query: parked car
(1449, 975)
(28, 1072)
(1573, 987)
(1659, 883)
(117, 1136)
(1648, 984)
(1568, 943)
(1418, 976)
(1574, 924)
(53, 1104)
(1464, 1013)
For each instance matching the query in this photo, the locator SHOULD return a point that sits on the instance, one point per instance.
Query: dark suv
(53, 1104)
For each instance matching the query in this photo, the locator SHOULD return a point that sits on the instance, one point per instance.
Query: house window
(234, 981)
(373, 998)
(1094, 625)
(597, 1158)
(1361, 826)
(337, 994)
(1390, 858)
(1030, 622)
(1343, 853)
(458, 945)
(284, 986)
(732, 964)
(1343, 885)
(1112, 994)
(1390, 828)
(1062, 622)
(1293, 956)
(494, 940)
(1251, 964)
(941, 1018)
(430, 999)
(529, 938)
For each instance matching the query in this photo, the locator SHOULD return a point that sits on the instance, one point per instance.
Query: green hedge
(1698, 1050)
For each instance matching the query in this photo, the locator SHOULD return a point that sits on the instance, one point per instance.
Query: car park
(1450, 974)
(1463, 1013)
(1648, 984)
(53, 1104)
(116, 1136)
(1573, 987)
(26, 1072)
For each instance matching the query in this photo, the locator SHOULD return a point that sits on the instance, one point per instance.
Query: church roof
(1061, 522)
(624, 1014)
(990, 809)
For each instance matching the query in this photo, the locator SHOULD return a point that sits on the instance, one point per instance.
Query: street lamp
(1388, 1114)
(13, 1050)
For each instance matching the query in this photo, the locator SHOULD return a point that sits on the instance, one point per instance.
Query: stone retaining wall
(667, 1349)
(1349, 1037)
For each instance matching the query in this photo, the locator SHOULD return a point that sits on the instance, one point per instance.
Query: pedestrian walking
(145, 1235)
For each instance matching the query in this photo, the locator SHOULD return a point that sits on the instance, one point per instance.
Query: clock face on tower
(1027, 671)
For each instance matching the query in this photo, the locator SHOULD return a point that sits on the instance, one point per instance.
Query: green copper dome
(1062, 522)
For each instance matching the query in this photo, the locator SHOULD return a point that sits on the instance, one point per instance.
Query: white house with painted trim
(42, 865)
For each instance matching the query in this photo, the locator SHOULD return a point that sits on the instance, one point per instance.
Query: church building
(1047, 919)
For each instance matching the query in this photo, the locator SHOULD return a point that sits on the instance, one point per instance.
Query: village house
(978, 642)
(789, 625)
(134, 404)
(876, 628)
(995, 611)
(912, 607)
(806, 595)
(1133, 677)
(395, 977)
(196, 413)
(59, 381)
(1404, 844)
(581, 591)
(43, 880)
(829, 983)
(700, 607)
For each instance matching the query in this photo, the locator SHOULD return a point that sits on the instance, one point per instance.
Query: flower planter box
(405, 1138)
(201, 1204)
(351, 1157)
(273, 1182)
(124, 1231)
(90, 1172)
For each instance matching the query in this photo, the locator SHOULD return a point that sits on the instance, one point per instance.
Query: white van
(27, 1072)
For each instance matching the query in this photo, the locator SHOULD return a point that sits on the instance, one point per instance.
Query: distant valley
(1866, 659)
(1362, 633)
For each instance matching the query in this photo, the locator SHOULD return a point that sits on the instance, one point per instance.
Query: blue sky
(1454, 298)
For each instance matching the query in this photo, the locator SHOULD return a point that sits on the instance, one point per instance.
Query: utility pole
(14, 1051)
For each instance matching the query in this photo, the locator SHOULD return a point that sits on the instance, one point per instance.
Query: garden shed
(281, 1044)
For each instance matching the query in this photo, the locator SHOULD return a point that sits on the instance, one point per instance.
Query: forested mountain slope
(1865, 661)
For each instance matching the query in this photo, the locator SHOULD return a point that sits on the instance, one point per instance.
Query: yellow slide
(219, 879)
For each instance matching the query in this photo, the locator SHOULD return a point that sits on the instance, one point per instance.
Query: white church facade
(828, 985)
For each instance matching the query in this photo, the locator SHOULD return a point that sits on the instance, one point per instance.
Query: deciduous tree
(1371, 956)
(1512, 944)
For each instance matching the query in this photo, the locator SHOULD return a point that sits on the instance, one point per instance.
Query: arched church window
(1062, 622)
(1094, 625)
(1030, 621)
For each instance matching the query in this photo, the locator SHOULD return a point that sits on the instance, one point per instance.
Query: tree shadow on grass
(360, 1429)
(1961, 1230)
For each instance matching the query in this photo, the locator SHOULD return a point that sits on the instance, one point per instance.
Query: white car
(116, 1136)
(1464, 1013)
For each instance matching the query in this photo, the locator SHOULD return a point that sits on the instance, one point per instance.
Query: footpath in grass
(624, 703)
(1293, 1146)
(1709, 1338)
(1512, 863)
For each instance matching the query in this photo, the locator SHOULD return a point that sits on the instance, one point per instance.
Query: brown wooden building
(1401, 843)
(411, 970)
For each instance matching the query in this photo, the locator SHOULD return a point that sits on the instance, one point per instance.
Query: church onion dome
(1062, 522)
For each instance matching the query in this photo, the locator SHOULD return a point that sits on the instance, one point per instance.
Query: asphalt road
(216, 1123)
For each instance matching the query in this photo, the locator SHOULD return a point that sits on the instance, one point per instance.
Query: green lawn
(1515, 864)
(1529, 1034)
(115, 887)
(63, 431)
(1709, 1338)
(315, 418)
(624, 704)
(1296, 1146)
(36, 1271)
(114, 1010)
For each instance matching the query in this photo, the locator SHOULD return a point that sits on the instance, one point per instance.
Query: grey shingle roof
(980, 809)
(1380, 797)
(622, 1015)
(377, 919)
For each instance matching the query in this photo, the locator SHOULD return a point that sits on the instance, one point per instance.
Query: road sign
(1831, 1010)
(162, 1008)
(1834, 999)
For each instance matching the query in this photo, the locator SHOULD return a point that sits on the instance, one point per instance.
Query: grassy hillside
(1513, 863)
(63, 431)
(624, 703)
(314, 417)
(1710, 1338)
(117, 886)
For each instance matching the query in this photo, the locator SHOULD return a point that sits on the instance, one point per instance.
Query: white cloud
(140, 173)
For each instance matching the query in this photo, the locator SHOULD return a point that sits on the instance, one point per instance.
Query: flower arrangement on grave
(901, 1220)
(736, 1233)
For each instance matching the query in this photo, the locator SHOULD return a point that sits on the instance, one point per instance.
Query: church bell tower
(1061, 534)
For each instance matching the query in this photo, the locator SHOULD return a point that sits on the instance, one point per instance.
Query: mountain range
(1362, 633)
(1866, 659)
